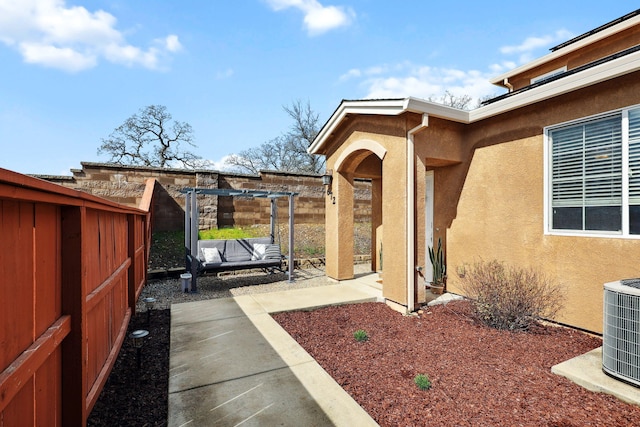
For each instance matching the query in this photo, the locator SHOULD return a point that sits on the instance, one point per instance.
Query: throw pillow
(272, 252)
(211, 255)
(258, 251)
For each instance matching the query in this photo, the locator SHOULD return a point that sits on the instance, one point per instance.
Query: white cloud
(71, 38)
(318, 19)
(55, 57)
(407, 79)
(218, 165)
(502, 67)
(172, 43)
(531, 44)
(352, 73)
(221, 75)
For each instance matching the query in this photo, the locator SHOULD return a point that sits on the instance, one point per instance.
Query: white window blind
(634, 157)
(587, 174)
(589, 186)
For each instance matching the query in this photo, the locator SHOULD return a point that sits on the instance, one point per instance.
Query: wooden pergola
(191, 219)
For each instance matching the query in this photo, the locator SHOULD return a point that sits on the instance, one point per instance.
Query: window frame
(545, 76)
(624, 233)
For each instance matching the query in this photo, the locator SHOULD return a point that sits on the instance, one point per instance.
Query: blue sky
(72, 71)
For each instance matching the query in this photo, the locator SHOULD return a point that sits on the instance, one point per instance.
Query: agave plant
(437, 261)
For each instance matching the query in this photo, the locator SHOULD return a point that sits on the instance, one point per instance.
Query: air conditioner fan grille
(633, 283)
(621, 337)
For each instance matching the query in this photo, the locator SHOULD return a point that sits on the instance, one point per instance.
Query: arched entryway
(361, 159)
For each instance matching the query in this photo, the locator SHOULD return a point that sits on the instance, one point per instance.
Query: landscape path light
(149, 303)
(137, 339)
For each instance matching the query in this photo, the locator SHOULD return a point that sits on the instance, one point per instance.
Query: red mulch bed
(480, 376)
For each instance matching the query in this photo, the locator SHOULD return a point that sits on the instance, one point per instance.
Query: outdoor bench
(238, 254)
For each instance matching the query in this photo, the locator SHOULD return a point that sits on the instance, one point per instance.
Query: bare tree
(150, 138)
(287, 152)
(460, 102)
(451, 100)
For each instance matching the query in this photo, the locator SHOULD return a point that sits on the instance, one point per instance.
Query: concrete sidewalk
(586, 371)
(232, 364)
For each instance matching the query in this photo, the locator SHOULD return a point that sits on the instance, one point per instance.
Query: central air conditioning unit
(621, 332)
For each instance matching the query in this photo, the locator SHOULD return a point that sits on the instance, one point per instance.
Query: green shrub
(510, 298)
(361, 335)
(422, 381)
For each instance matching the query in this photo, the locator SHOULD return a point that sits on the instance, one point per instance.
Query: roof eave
(567, 49)
(383, 107)
(624, 65)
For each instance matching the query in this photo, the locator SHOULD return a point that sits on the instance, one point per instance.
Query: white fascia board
(567, 49)
(392, 107)
(421, 106)
(389, 107)
(600, 73)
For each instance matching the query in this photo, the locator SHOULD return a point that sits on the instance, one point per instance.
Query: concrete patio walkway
(231, 364)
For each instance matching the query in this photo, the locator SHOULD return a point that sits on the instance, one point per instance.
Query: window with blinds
(634, 171)
(591, 190)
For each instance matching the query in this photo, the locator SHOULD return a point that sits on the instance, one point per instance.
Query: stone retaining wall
(125, 184)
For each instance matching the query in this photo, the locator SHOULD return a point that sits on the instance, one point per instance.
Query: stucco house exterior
(545, 176)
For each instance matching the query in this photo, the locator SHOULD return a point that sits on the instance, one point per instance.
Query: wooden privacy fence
(72, 266)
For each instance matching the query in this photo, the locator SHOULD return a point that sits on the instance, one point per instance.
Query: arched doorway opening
(362, 159)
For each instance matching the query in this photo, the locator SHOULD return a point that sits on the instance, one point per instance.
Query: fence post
(74, 358)
(132, 246)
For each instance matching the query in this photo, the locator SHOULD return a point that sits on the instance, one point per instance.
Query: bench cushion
(237, 254)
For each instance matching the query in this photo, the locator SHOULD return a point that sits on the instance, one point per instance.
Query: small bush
(510, 298)
(361, 335)
(422, 381)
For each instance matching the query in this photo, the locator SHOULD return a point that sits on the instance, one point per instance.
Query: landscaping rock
(445, 298)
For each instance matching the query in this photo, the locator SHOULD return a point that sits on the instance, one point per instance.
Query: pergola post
(187, 228)
(195, 219)
(291, 239)
(272, 219)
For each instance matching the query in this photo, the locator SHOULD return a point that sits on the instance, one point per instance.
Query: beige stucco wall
(500, 216)
(393, 232)
(488, 201)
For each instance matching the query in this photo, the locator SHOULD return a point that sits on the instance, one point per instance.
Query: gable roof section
(582, 78)
(597, 30)
(564, 74)
(383, 107)
(604, 31)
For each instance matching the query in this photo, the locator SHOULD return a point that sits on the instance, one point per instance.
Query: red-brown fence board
(71, 268)
(48, 286)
